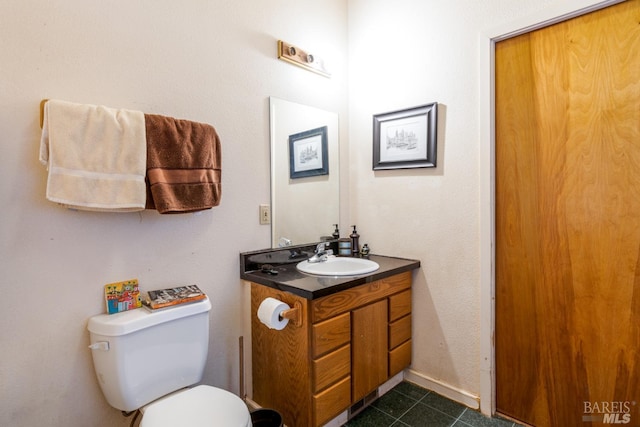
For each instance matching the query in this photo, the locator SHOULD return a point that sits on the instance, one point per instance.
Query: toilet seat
(201, 406)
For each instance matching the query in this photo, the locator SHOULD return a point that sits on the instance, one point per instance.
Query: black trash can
(266, 418)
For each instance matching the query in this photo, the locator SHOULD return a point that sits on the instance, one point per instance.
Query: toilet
(150, 361)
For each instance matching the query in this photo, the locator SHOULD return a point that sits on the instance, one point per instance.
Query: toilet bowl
(149, 360)
(201, 406)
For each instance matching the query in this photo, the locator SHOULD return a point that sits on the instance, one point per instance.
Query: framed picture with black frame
(309, 153)
(406, 138)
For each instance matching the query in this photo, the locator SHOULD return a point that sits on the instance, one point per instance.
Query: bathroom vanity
(352, 334)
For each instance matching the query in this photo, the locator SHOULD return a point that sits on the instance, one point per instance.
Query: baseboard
(446, 390)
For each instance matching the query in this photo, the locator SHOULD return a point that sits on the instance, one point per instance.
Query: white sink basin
(339, 266)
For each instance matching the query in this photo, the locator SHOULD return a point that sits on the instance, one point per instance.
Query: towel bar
(44, 101)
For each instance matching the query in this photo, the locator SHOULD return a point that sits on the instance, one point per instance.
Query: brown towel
(183, 165)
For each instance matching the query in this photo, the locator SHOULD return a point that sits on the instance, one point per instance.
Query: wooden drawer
(340, 302)
(399, 358)
(399, 305)
(331, 368)
(399, 331)
(332, 401)
(330, 334)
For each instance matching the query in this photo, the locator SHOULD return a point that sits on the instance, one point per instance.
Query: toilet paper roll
(269, 313)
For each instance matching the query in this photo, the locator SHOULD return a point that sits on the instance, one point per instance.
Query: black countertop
(286, 277)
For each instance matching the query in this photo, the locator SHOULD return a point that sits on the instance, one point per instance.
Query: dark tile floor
(409, 405)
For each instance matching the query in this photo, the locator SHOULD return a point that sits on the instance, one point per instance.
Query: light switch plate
(265, 214)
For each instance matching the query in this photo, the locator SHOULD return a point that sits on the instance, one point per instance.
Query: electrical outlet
(265, 214)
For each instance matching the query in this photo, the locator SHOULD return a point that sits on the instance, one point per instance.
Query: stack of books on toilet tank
(166, 298)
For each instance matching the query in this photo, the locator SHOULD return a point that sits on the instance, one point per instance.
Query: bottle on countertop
(336, 232)
(355, 242)
(365, 249)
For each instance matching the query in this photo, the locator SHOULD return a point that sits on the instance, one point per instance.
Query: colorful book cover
(122, 296)
(162, 298)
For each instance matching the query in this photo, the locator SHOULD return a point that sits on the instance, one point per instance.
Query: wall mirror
(305, 172)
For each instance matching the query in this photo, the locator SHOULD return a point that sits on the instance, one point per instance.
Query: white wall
(214, 61)
(407, 53)
(210, 61)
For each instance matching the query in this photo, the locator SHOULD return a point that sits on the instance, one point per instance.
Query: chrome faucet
(321, 253)
(284, 242)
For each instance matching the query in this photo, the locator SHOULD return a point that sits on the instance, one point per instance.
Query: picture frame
(309, 153)
(406, 138)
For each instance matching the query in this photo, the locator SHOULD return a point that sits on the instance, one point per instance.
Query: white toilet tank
(140, 355)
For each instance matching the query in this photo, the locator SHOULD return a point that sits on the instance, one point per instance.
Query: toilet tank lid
(130, 321)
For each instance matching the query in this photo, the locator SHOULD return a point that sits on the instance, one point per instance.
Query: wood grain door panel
(568, 218)
(369, 343)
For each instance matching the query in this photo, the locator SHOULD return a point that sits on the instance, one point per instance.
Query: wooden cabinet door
(369, 345)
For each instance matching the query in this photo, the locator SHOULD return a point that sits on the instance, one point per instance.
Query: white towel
(96, 156)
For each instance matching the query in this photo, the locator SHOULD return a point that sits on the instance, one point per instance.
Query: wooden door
(568, 221)
(370, 347)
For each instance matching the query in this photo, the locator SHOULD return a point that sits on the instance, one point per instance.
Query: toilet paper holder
(294, 314)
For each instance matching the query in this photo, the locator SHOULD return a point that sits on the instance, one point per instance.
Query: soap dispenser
(355, 242)
(336, 232)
